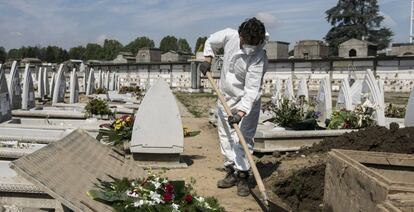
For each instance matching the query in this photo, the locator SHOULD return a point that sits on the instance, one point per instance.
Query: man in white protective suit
(241, 78)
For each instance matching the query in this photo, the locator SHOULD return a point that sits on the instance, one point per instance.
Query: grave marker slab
(100, 79)
(107, 80)
(112, 82)
(372, 93)
(90, 86)
(40, 86)
(46, 82)
(60, 86)
(303, 89)
(409, 115)
(344, 96)
(85, 72)
(28, 96)
(15, 89)
(324, 99)
(277, 94)
(289, 94)
(5, 110)
(68, 168)
(157, 113)
(74, 87)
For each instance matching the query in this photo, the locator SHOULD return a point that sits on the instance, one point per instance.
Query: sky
(69, 23)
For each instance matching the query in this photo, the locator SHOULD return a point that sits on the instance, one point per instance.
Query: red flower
(168, 197)
(169, 188)
(188, 198)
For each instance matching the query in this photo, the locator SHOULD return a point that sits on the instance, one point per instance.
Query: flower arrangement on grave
(360, 117)
(153, 193)
(131, 89)
(394, 111)
(118, 131)
(97, 106)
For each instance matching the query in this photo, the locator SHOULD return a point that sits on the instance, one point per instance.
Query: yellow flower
(128, 119)
(123, 123)
(118, 121)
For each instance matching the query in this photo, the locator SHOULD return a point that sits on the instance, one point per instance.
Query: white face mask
(249, 49)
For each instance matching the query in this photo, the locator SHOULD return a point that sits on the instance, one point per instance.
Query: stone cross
(344, 96)
(60, 86)
(157, 113)
(324, 99)
(409, 114)
(74, 87)
(40, 86)
(5, 110)
(90, 88)
(46, 82)
(28, 96)
(372, 93)
(15, 89)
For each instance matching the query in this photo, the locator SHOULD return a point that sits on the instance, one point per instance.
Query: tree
(200, 44)
(51, 54)
(93, 51)
(3, 54)
(138, 43)
(356, 19)
(169, 43)
(183, 45)
(110, 49)
(14, 54)
(77, 53)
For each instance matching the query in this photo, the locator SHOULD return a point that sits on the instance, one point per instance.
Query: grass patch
(198, 104)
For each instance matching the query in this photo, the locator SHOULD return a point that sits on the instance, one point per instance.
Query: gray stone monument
(112, 82)
(100, 79)
(324, 99)
(107, 80)
(409, 115)
(28, 96)
(60, 86)
(158, 113)
(5, 110)
(40, 86)
(15, 89)
(46, 82)
(90, 86)
(74, 87)
(52, 84)
(289, 94)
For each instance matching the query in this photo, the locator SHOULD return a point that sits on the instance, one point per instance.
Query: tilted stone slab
(5, 110)
(74, 88)
(60, 86)
(15, 89)
(158, 126)
(28, 96)
(67, 169)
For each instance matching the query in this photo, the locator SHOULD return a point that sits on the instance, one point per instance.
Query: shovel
(236, 127)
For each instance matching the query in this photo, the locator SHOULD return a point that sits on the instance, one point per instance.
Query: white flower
(139, 203)
(156, 184)
(175, 207)
(200, 199)
(132, 194)
(156, 197)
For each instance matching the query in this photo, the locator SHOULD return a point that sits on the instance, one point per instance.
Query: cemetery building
(175, 56)
(311, 49)
(357, 48)
(277, 50)
(124, 57)
(402, 49)
(147, 54)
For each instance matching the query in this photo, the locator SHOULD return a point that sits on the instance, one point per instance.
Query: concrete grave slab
(368, 181)
(74, 87)
(15, 89)
(158, 112)
(5, 110)
(90, 87)
(67, 169)
(31, 135)
(60, 86)
(409, 114)
(28, 96)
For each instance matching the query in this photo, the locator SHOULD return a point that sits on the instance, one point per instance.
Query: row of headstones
(349, 95)
(106, 80)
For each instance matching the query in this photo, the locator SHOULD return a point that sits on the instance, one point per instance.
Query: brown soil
(302, 189)
(198, 104)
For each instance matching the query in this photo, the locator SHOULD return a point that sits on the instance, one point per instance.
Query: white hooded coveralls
(241, 80)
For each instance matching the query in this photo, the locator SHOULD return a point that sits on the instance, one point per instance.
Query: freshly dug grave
(303, 189)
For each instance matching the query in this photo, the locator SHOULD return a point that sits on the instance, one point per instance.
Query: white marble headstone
(289, 94)
(324, 99)
(117, 83)
(60, 86)
(28, 96)
(372, 93)
(46, 82)
(344, 96)
(90, 89)
(52, 84)
(303, 89)
(100, 79)
(277, 94)
(158, 113)
(107, 80)
(15, 89)
(5, 110)
(40, 86)
(74, 87)
(112, 82)
(409, 114)
(356, 90)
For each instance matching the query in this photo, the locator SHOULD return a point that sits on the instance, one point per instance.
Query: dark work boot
(229, 181)
(242, 184)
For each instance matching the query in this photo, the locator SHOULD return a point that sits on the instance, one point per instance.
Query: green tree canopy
(169, 43)
(110, 49)
(356, 19)
(139, 42)
(77, 53)
(14, 54)
(183, 45)
(200, 44)
(93, 51)
(3, 54)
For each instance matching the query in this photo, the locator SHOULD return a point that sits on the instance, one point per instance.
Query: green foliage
(169, 43)
(287, 113)
(14, 54)
(395, 111)
(77, 53)
(3, 55)
(199, 47)
(118, 131)
(183, 45)
(359, 118)
(97, 106)
(138, 43)
(110, 49)
(100, 91)
(356, 19)
(93, 51)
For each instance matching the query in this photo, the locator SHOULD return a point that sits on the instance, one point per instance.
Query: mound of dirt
(303, 190)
